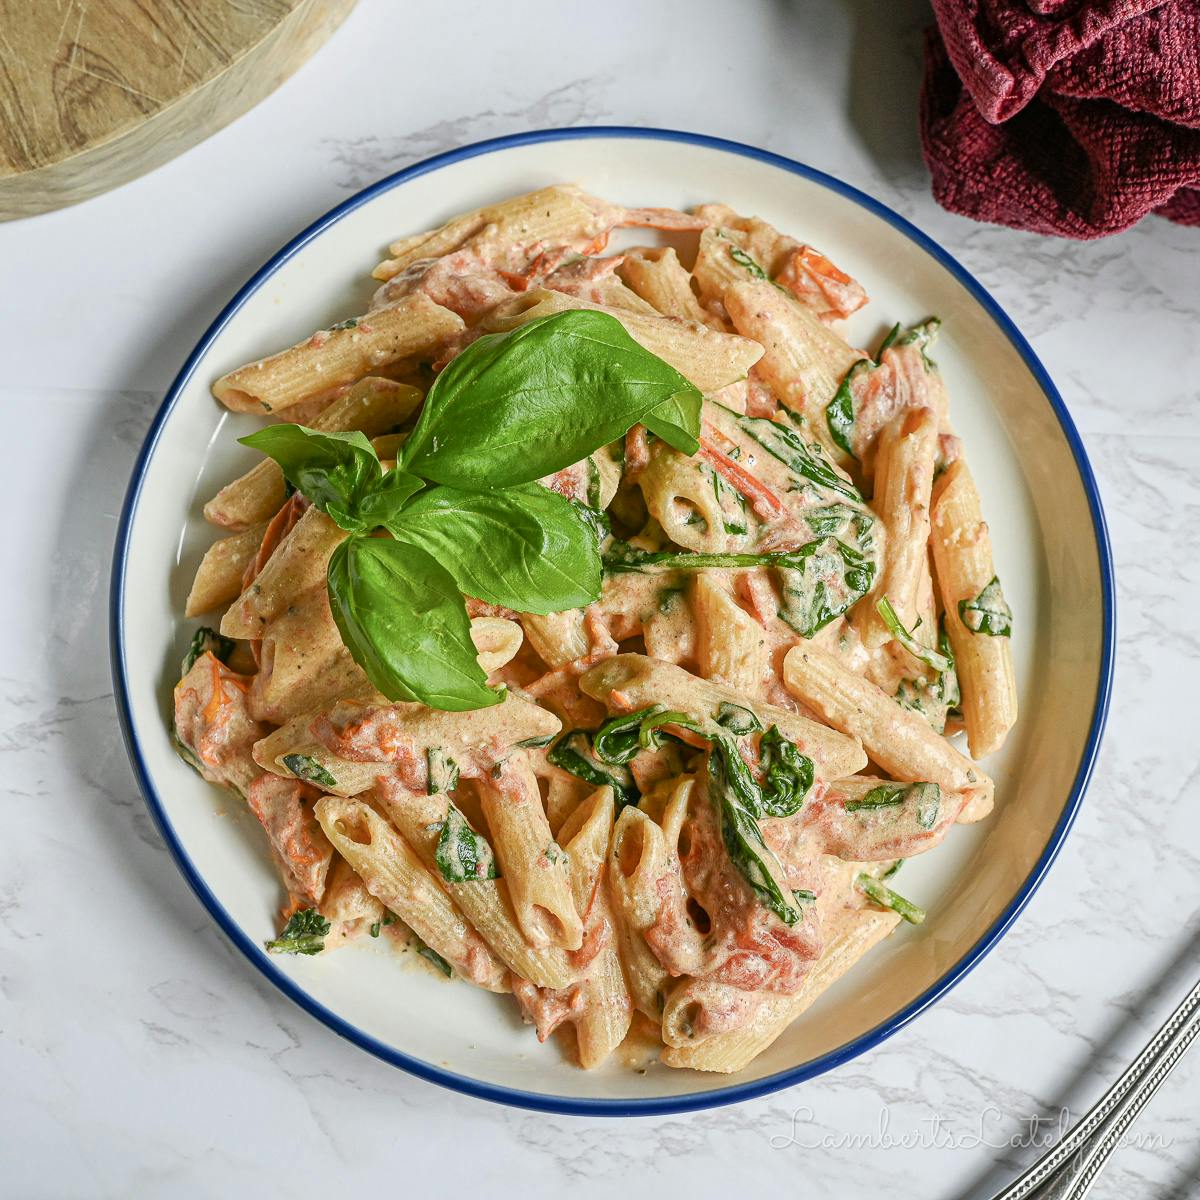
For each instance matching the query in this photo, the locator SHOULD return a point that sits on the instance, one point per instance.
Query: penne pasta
(650, 807)
(731, 646)
(656, 274)
(219, 577)
(605, 1010)
(534, 864)
(485, 902)
(396, 877)
(962, 553)
(707, 358)
(413, 327)
(803, 361)
(908, 448)
(897, 738)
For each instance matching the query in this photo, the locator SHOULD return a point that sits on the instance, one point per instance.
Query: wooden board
(96, 92)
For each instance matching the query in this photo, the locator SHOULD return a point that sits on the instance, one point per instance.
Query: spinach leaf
(430, 955)
(526, 547)
(787, 774)
(882, 895)
(441, 771)
(304, 933)
(926, 654)
(651, 735)
(987, 613)
(206, 641)
(925, 799)
(803, 460)
(402, 618)
(839, 412)
(616, 742)
(462, 855)
(743, 259)
(738, 720)
(732, 790)
(513, 407)
(572, 753)
(822, 581)
(308, 769)
(922, 336)
(889, 340)
(334, 470)
(935, 698)
(730, 501)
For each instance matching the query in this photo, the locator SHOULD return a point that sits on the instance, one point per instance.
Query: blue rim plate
(585, 1106)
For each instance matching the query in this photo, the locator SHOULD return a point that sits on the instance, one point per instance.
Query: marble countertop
(138, 1053)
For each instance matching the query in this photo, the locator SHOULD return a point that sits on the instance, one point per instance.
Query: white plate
(1051, 549)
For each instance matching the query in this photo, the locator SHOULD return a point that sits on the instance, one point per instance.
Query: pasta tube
(331, 358)
(533, 863)
(898, 739)
(397, 878)
(962, 554)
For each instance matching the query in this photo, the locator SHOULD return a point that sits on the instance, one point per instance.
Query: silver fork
(1068, 1171)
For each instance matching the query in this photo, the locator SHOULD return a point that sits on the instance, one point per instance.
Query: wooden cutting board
(96, 92)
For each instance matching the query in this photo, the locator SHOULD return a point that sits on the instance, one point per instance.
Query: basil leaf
(526, 548)
(383, 503)
(333, 470)
(882, 895)
(402, 618)
(513, 407)
(308, 769)
(744, 842)
(304, 933)
(925, 654)
(677, 419)
(573, 754)
(206, 641)
(787, 774)
(738, 720)
(462, 855)
(987, 613)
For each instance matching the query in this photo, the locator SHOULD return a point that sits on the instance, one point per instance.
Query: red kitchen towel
(1069, 117)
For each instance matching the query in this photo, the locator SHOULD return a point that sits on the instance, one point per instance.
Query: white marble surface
(140, 1056)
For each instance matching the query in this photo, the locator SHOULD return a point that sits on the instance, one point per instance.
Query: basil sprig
(510, 409)
(988, 612)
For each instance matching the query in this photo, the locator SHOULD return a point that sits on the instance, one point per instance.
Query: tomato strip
(765, 503)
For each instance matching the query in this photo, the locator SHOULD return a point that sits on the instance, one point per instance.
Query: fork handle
(1144, 1069)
